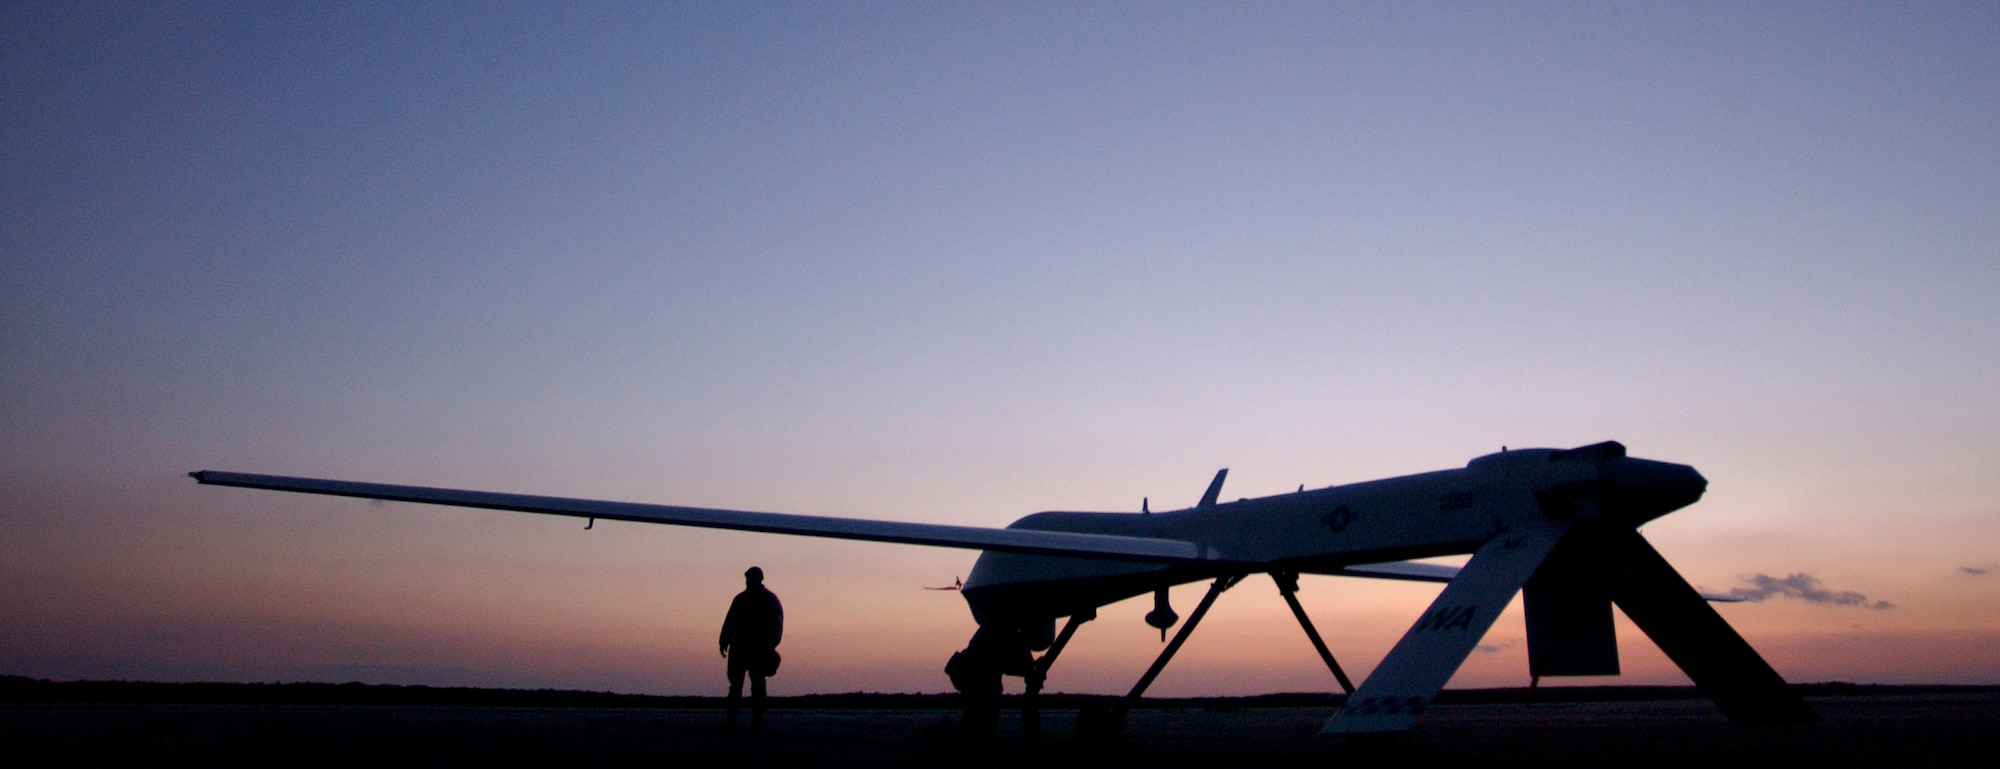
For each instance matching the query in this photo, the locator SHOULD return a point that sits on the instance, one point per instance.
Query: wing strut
(1288, 586)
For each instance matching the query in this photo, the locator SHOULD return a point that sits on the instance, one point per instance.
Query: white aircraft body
(1560, 526)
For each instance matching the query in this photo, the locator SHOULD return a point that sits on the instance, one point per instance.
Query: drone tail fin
(1571, 578)
(1402, 687)
(1568, 608)
(1695, 637)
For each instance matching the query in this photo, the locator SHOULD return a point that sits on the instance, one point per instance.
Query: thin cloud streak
(1804, 587)
(1495, 648)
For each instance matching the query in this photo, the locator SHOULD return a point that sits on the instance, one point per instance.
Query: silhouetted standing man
(755, 624)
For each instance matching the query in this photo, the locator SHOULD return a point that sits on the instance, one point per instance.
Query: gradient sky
(935, 263)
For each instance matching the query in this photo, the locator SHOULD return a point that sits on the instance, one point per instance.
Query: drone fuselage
(1322, 531)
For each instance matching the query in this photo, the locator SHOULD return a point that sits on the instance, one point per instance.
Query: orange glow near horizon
(516, 601)
(960, 263)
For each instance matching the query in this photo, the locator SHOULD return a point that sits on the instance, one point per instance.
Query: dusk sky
(955, 264)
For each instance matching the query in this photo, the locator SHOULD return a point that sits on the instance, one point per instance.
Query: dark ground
(1954, 728)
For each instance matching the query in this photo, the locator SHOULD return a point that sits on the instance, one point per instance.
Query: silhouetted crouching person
(755, 624)
(993, 652)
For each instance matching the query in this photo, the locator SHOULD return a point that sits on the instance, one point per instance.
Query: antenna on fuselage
(1214, 488)
(1145, 506)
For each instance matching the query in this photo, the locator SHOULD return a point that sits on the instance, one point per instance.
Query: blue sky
(938, 263)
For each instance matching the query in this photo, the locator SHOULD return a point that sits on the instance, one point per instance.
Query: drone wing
(1100, 546)
(1404, 570)
(1414, 571)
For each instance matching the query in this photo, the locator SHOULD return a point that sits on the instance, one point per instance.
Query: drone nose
(1644, 489)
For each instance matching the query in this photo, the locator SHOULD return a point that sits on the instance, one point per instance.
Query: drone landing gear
(1288, 586)
(1031, 712)
(1098, 724)
(1109, 725)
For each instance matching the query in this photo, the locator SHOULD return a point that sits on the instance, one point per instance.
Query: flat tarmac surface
(1874, 731)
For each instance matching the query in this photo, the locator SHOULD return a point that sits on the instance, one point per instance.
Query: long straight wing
(1405, 570)
(1436, 572)
(1102, 546)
